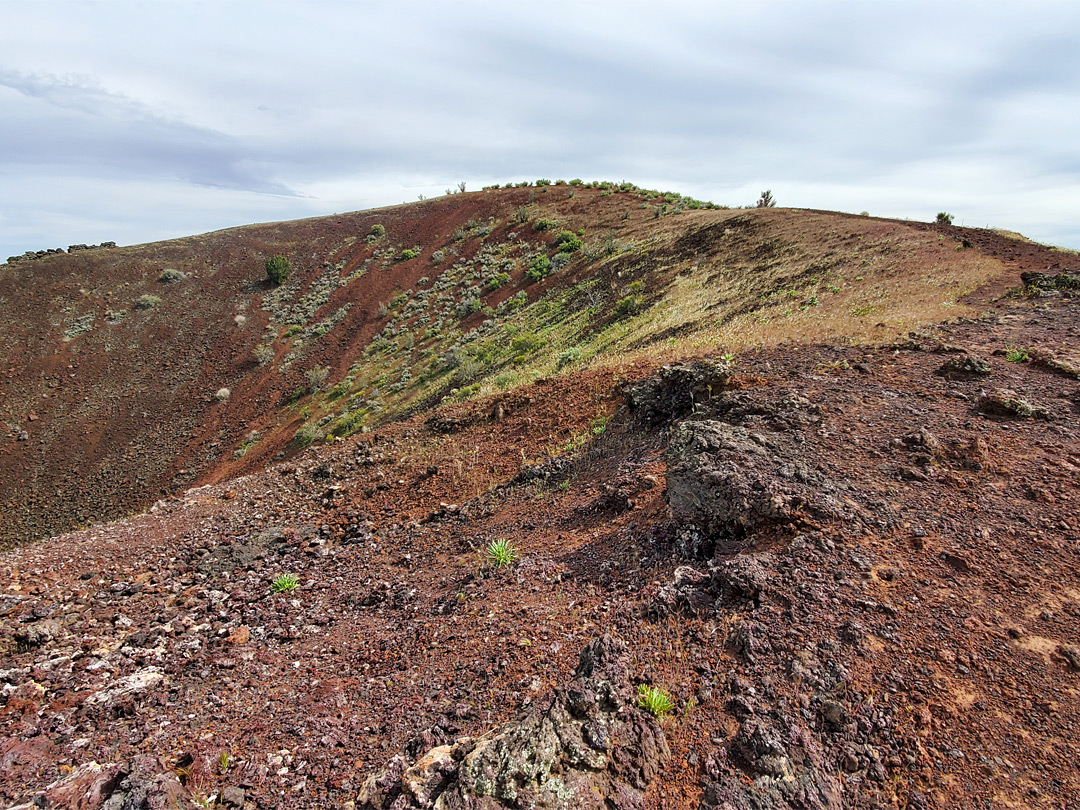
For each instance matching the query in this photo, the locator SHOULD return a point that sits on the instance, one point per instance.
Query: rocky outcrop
(1007, 403)
(585, 746)
(964, 367)
(676, 389)
(144, 783)
(727, 481)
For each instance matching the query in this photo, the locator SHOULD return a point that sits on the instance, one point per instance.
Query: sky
(139, 121)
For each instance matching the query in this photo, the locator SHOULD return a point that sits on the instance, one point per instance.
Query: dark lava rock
(676, 389)
(1051, 281)
(144, 783)
(1006, 402)
(964, 367)
(728, 481)
(585, 745)
(788, 769)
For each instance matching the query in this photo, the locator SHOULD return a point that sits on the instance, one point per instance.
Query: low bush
(540, 268)
(630, 305)
(278, 269)
(567, 241)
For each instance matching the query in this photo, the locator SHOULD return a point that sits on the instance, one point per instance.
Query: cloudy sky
(135, 121)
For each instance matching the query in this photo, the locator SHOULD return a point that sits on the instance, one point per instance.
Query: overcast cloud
(137, 121)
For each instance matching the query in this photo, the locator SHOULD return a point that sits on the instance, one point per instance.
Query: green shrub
(545, 224)
(409, 253)
(278, 269)
(568, 356)
(316, 377)
(944, 218)
(377, 231)
(526, 343)
(1017, 355)
(567, 241)
(146, 302)
(540, 268)
(543, 182)
(630, 305)
(263, 354)
(170, 276)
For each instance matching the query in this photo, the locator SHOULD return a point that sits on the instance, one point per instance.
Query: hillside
(814, 483)
(114, 358)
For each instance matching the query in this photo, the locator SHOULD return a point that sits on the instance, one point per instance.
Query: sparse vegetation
(1017, 355)
(171, 276)
(278, 269)
(145, 302)
(944, 218)
(766, 200)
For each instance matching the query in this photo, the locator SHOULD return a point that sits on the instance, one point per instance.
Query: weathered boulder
(1006, 402)
(964, 367)
(144, 783)
(585, 745)
(676, 389)
(788, 768)
(728, 481)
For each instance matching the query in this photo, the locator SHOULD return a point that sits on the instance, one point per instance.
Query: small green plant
(286, 583)
(377, 231)
(144, 302)
(409, 253)
(498, 280)
(224, 762)
(544, 224)
(655, 700)
(944, 218)
(501, 552)
(1017, 355)
(278, 269)
(316, 377)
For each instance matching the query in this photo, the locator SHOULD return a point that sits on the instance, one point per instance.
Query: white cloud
(215, 113)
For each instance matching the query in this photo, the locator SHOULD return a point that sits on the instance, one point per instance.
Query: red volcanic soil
(884, 615)
(110, 403)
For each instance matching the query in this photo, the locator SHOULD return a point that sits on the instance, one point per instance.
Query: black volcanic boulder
(585, 745)
(728, 481)
(676, 389)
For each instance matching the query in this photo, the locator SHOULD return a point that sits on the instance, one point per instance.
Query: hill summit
(546, 496)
